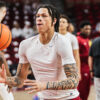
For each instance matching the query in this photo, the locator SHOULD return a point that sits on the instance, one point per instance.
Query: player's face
(2, 13)
(87, 30)
(43, 20)
(63, 24)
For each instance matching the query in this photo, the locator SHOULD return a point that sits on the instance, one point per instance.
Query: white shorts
(97, 87)
(4, 93)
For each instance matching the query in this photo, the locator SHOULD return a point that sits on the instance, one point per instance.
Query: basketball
(5, 36)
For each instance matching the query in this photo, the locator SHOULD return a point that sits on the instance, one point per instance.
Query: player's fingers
(33, 91)
(3, 69)
(2, 81)
(30, 88)
(30, 84)
(9, 89)
(29, 81)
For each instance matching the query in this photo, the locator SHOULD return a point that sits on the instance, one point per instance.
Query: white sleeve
(74, 41)
(22, 56)
(64, 49)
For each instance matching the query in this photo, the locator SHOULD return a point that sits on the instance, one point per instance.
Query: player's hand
(3, 13)
(34, 86)
(3, 74)
(9, 89)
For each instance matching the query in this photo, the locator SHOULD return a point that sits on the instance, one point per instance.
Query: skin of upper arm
(76, 56)
(22, 70)
(77, 59)
(5, 63)
(90, 62)
(76, 52)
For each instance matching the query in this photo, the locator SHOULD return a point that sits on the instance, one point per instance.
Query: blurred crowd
(25, 32)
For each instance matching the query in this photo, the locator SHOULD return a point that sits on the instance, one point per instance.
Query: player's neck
(63, 32)
(46, 37)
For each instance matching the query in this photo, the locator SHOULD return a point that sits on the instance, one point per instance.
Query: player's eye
(37, 16)
(44, 15)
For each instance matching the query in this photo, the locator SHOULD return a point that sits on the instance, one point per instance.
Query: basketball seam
(1, 31)
(6, 42)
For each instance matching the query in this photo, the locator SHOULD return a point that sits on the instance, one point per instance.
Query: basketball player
(64, 27)
(83, 40)
(3, 88)
(51, 60)
(94, 64)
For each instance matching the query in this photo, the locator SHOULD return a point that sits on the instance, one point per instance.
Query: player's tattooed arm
(21, 75)
(70, 83)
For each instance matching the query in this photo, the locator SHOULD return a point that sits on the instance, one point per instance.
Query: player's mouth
(39, 24)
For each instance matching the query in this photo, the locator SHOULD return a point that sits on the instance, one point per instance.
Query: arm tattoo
(15, 81)
(19, 70)
(70, 83)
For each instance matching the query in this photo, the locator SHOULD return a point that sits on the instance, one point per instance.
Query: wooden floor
(92, 94)
(25, 96)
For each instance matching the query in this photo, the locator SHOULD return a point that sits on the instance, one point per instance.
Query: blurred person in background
(96, 32)
(35, 32)
(16, 30)
(4, 93)
(27, 30)
(83, 40)
(65, 28)
(71, 28)
(98, 27)
(94, 64)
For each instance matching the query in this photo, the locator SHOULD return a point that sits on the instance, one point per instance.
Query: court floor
(21, 95)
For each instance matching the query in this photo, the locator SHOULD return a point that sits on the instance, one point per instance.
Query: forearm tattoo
(15, 81)
(19, 70)
(70, 83)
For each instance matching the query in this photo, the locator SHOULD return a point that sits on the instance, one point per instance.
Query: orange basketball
(5, 36)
